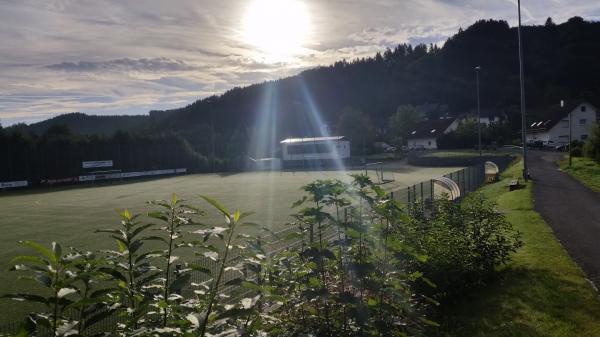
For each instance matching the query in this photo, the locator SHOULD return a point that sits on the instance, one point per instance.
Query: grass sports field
(70, 215)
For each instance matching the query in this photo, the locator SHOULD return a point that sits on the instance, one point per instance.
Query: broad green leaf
(44, 280)
(159, 215)
(179, 283)
(199, 268)
(112, 231)
(216, 205)
(121, 245)
(65, 292)
(125, 215)
(56, 250)
(234, 282)
(114, 273)
(155, 238)
(148, 255)
(99, 316)
(139, 230)
(193, 320)
(30, 259)
(40, 249)
(26, 297)
(211, 255)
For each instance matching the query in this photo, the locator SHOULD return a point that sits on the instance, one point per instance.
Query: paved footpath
(571, 209)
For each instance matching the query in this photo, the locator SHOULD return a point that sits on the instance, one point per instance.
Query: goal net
(377, 174)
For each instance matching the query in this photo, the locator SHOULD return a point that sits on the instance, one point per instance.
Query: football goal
(377, 174)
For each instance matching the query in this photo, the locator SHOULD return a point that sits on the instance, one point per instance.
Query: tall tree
(402, 123)
(358, 128)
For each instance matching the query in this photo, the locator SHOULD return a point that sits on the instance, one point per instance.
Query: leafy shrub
(591, 148)
(464, 242)
(356, 284)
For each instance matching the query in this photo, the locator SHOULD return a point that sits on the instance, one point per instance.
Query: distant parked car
(562, 148)
(538, 144)
(387, 148)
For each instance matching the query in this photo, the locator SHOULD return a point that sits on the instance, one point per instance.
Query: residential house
(426, 133)
(552, 129)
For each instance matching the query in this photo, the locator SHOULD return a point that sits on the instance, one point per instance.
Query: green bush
(591, 148)
(464, 243)
(357, 284)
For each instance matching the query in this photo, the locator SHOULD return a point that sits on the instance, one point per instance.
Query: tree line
(59, 153)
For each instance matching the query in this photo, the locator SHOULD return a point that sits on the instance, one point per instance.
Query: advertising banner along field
(97, 164)
(11, 184)
(120, 175)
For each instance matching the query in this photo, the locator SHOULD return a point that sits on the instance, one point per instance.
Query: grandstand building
(316, 150)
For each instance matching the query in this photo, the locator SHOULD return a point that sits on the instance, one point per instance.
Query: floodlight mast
(478, 110)
(522, 83)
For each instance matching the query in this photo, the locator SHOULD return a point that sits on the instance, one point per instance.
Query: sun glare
(278, 29)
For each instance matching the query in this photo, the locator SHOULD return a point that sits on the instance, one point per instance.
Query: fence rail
(467, 179)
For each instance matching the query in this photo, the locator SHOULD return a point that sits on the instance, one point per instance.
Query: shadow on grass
(519, 302)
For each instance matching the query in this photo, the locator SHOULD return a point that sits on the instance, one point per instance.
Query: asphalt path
(570, 208)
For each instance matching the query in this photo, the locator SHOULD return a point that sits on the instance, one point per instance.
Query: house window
(584, 137)
(582, 121)
(429, 143)
(583, 108)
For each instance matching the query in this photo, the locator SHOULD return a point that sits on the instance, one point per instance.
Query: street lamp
(522, 80)
(477, 69)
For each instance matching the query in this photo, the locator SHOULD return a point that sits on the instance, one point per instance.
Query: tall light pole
(522, 80)
(478, 109)
(562, 105)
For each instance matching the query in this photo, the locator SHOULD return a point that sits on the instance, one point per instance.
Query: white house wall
(452, 127)
(422, 143)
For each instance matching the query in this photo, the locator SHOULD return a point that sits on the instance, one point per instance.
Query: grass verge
(585, 170)
(541, 292)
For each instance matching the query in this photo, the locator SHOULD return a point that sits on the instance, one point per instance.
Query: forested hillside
(91, 124)
(561, 62)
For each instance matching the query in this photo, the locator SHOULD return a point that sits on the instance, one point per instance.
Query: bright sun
(277, 28)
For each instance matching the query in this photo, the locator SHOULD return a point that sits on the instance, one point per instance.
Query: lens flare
(277, 28)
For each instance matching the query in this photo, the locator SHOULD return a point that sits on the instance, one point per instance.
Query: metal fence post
(408, 192)
(414, 193)
(422, 199)
(432, 191)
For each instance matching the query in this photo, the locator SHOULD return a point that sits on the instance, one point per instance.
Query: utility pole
(522, 80)
(562, 105)
(212, 140)
(478, 109)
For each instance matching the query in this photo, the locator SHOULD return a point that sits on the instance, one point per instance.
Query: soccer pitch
(69, 215)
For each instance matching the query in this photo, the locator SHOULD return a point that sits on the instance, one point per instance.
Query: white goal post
(377, 174)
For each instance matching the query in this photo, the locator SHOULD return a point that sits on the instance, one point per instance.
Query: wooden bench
(513, 185)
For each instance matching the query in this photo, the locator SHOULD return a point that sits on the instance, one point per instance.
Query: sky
(133, 56)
